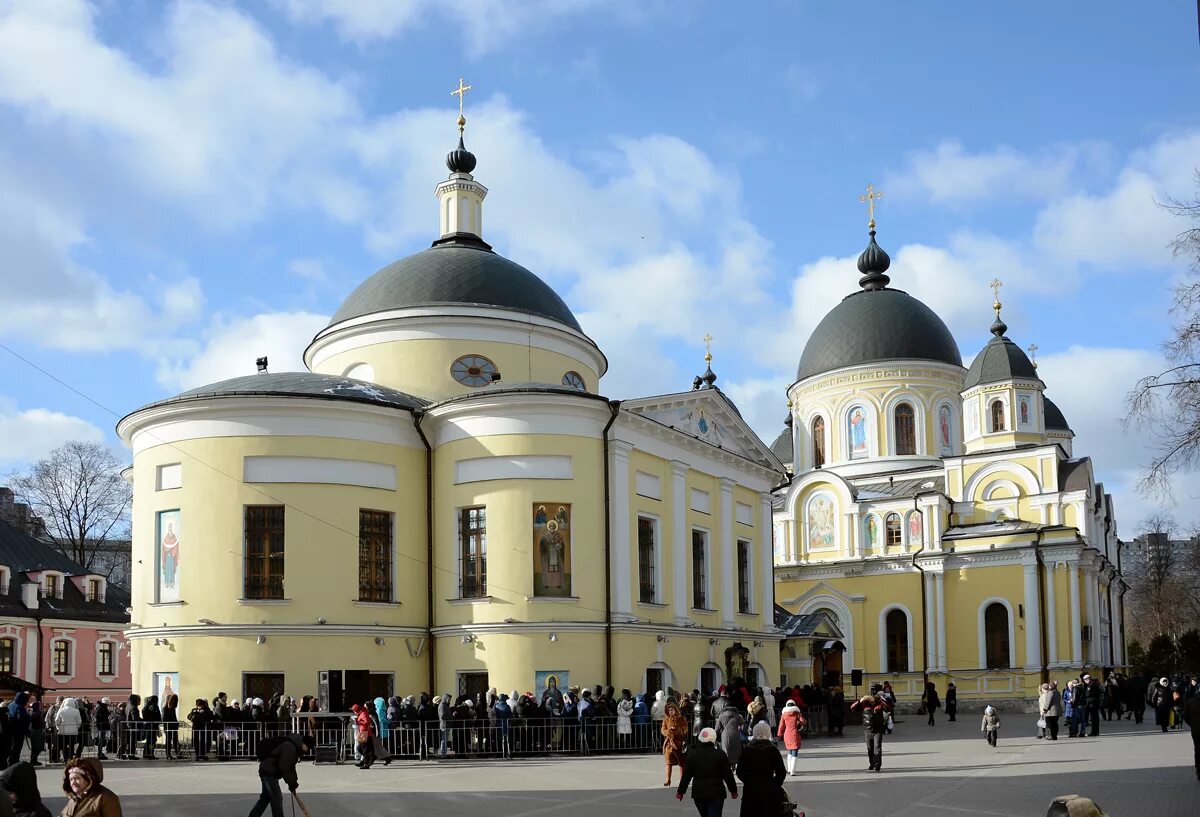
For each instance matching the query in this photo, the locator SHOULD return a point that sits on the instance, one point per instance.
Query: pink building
(61, 627)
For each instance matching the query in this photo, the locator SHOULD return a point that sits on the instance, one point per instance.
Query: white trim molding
(883, 647)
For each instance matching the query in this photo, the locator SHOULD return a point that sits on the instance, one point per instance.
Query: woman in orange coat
(791, 722)
(675, 734)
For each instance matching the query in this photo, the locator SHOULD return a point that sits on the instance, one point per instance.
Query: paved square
(941, 771)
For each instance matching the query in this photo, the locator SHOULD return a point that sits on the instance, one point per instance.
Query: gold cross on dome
(460, 92)
(1033, 350)
(871, 195)
(708, 339)
(995, 285)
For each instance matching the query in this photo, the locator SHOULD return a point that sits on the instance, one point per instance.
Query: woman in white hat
(791, 725)
(710, 774)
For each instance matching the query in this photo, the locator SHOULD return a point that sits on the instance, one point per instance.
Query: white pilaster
(679, 539)
(767, 558)
(855, 528)
(1050, 571)
(930, 636)
(620, 524)
(799, 550)
(940, 593)
(1033, 620)
(1076, 625)
(728, 553)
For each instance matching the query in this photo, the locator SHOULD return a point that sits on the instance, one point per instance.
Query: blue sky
(187, 185)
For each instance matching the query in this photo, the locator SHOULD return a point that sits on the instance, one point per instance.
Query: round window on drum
(574, 380)
(473, 370)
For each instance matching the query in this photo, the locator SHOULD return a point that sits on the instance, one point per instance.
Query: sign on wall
(167, 556)
(552, 549)
(550, 683)
(165, 684)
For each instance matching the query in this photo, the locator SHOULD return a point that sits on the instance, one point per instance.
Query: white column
(679, 539)
(1076, 625)
(930, 644)
(1033, 620)
(766, 556)
(1093, 618)
(940, 592)
(1051, 614)
(1119, 626)
(620, 525)
(728, 553)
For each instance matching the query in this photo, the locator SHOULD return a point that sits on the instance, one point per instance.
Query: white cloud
(232, 345)
(30, 434)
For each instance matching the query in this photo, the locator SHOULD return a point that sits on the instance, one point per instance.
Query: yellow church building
(937, 516)
(444, 502)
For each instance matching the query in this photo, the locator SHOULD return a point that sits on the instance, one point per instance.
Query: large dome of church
(459, 269)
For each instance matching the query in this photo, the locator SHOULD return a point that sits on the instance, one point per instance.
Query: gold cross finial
(461, 92)
(995, 285)
(1033, 350)
(708, 339)
(871, 195)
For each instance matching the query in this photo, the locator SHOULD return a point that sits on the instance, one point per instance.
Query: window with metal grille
(472, 683)
(998, 416)
(995, 627)
(743, 575)
(906, 430)
(699, 570)
(105, 659)
(374, 556)
(818, 435)
(263, 685)
(8, 655)
(647, 560)
(894, 529)
(60, 661)
(897, 641)
(472, 538)
(264, 552)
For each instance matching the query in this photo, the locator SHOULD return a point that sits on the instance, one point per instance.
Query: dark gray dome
(1055, 421)
(878, 324)
(1000, 361)
(783, 446)
(460, 269)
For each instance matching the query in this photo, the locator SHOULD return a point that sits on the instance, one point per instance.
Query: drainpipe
(1043, 624)
(614, 406)
(924, 601)
(41, 658)
(418, 416)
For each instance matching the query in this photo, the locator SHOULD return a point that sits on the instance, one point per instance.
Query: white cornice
(476, 323)
(485, 414)
(248, 630)
(639, 628)
(880, 370)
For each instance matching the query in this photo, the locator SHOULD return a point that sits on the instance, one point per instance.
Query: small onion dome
(873, 263)
(460, 160)
(782, 447)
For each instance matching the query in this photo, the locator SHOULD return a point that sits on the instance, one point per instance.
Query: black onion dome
(783, 445)
(875, 325)
(1000, 361)
(1055, 420)
(459, 269)
(873, 262)
(460, 160)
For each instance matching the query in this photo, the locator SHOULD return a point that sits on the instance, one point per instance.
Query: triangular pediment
(709, 416)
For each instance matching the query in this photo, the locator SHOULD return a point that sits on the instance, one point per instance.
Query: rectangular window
(699, 570)
(264, 552)
(647, 561)
(60, 663)
(381, 685)
(263, 685)
(93, 591)
(374, 556)
(472, 539)
(106, 659)
(8, 655)
(472, 683)
(654, 681)
(743, 575)
(51, 586)
(708, 680)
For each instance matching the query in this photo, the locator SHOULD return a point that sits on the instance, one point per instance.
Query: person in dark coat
(1191, 716)
(709, 774)
(762, 774)
(874, 709)
(151, 717)
(951, 701)
(1159, 699)
(1095, 702)
(20, 783)
(17, 727)
(837, 712)
(279, 763)
(930, 700)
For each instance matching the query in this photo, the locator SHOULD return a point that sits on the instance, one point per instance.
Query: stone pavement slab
(942, 771)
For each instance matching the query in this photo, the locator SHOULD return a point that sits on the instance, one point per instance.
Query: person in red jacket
(365, 736)
(791, 723)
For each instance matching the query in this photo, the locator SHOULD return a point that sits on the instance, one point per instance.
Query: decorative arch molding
(989, 490)
(841, 488)
(883, 614)
(838, 604)
(1025, 478)
(713, 665)
(989, 402)
(824, 520)
(668, 674)
(1012, 631)
(893, 400)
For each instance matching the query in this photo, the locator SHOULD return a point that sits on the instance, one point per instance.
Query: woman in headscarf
(675, 734)
(729, 731)
(762, 774)
(364, 735)
(86, 797)
(709, 772)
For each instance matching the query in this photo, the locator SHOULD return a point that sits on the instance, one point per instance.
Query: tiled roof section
(900, 487)
(783, 446)
(1055, 420)
(22, 553)
(999, 362)
(878, 325)
(1008, 526)
(300, 384)
(806, 625)
(1073, 475)
(460, 271)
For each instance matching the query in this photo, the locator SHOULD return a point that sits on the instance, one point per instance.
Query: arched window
(818, 436)
(894, 529)
(995, 634)
(997, 416)
(906, 429)
(897, 641)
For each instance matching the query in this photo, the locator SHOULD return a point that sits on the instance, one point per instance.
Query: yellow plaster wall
(422, 367)
(661, 510)
(965, 591)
